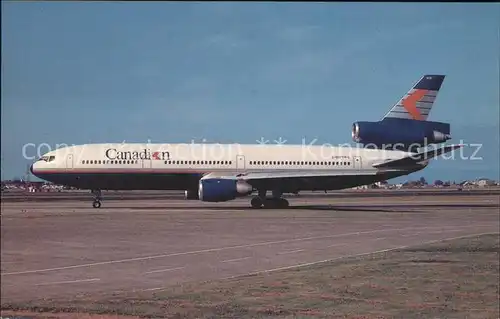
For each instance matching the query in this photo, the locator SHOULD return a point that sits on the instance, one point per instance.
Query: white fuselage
(178, 166)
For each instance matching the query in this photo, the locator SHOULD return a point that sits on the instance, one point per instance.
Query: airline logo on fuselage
(145, 154)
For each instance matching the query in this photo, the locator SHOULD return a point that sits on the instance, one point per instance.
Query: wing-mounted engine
(395, 133)
(221, 189)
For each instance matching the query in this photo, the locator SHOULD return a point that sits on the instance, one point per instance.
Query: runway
(81, 195)
(59, 250)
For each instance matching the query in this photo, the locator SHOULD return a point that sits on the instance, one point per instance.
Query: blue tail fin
(418, 102)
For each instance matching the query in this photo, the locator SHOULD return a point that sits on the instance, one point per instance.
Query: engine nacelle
(401, 132)
(222, 190)
(191, 194)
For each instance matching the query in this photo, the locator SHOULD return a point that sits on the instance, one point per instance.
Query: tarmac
(67, 248)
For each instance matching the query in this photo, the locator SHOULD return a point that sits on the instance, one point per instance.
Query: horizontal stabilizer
(416, 158)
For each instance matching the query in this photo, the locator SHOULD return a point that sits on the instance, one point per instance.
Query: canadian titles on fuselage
(145, 154)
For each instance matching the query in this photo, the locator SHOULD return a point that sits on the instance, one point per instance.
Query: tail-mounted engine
(393, 133)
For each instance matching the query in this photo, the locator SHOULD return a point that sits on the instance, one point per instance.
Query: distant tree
(438, 182)
(422, 181)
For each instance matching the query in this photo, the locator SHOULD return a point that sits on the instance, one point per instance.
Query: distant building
(485, 182)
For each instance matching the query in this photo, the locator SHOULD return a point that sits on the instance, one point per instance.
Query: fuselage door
(69, 161)
(357, 162)
(240, 162)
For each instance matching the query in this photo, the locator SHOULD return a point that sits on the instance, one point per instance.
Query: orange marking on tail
(410, 103)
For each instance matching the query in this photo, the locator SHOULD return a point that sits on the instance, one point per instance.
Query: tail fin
(417, 103)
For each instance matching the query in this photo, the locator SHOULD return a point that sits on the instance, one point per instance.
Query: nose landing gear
(97, 198)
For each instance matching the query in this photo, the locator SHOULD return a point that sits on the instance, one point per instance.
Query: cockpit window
(47, 158)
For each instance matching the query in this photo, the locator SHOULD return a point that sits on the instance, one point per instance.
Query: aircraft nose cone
(31, 169)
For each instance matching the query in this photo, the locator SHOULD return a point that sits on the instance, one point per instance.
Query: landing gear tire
(276, 203)
(97, 198)
(256, 202)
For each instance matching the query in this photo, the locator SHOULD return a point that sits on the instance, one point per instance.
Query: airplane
(224, 172)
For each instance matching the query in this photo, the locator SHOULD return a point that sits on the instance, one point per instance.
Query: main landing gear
(97, 198)
(276, 201)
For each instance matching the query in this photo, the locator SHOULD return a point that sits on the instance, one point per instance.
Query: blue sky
(87, 72)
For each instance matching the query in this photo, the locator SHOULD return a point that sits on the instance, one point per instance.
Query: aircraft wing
(290, 181)
(417, 158)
